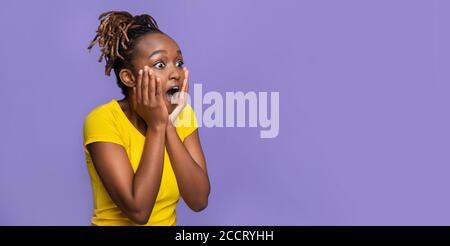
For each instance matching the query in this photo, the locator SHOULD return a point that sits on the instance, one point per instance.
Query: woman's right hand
(148, 100)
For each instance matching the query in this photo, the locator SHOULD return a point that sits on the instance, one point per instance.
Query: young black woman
(141, 154)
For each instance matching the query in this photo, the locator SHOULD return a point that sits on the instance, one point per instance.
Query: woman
(143, 151)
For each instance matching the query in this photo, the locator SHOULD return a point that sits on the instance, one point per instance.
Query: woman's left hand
(180, 98)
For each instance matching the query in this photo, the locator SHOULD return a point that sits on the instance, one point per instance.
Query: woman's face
(163, 56)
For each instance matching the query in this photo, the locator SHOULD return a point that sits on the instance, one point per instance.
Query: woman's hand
(180, 98)
(148, 100)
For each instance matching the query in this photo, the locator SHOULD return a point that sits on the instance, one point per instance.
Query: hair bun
(145, 20)
(116, 33)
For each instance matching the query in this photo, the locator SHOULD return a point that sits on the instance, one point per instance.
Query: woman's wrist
(170, 126)
(156, 129)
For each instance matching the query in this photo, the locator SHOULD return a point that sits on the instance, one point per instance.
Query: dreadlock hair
(117, 36)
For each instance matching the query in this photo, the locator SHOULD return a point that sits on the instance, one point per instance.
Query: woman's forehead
(157, 41)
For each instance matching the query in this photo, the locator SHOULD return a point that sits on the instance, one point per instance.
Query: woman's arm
(134, 193)
(189, 166)
(188, 160)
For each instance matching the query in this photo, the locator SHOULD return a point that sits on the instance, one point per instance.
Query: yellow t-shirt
(108, 123)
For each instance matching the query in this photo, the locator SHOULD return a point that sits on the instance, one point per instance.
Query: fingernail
(140, 71)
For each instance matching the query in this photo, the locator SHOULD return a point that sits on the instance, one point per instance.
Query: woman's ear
(127, 77)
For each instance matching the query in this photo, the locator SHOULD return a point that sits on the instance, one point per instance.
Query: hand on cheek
(180, 98)
(148, 99)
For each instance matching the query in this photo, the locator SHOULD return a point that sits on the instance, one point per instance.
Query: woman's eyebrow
(157, 52)
(161, 51)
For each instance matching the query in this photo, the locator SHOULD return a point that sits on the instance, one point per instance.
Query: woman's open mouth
(171, 94)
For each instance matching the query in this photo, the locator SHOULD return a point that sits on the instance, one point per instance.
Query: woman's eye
(180, 64)
(160, 65)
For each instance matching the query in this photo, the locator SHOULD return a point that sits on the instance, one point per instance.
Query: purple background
(364, 122)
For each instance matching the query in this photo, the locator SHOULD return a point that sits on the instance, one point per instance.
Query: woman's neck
(132, 116)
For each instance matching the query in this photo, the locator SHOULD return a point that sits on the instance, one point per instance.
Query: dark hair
(117, 36)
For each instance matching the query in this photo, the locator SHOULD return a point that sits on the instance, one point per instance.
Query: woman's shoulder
(103, 112)
(101, 124)
(103, 109)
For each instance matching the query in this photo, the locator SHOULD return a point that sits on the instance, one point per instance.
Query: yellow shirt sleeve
(99, 126)
(186, 122)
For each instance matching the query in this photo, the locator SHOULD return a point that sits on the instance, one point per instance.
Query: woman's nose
(174, 74)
